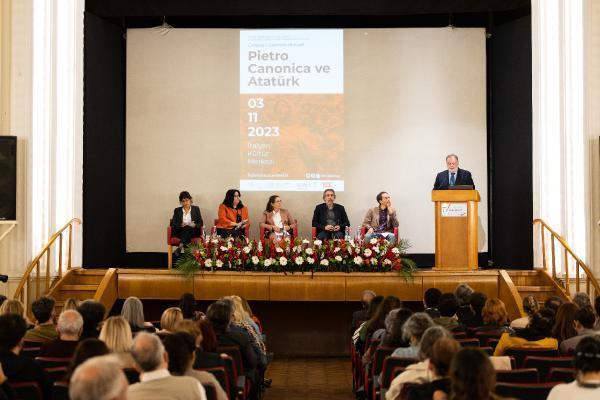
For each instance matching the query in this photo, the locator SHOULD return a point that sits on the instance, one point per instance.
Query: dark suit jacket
(23, 369)
(463, 177)
(178, 216)
(320, 217)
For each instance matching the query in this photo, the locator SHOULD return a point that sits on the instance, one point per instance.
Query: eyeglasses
(277, 201)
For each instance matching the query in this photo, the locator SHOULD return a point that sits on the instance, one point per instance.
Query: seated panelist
(233, 215)
(380, 221)
(329, 218)
(277, 222)
(453, 176)
(187, 220)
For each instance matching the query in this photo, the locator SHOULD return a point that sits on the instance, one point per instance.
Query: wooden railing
(44, 258)
(582, 272)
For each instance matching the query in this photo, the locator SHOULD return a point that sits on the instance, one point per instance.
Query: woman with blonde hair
(170, 317)
(11, 306)
(71, 304)
(495, 318)
(133, 312)
(116, 334)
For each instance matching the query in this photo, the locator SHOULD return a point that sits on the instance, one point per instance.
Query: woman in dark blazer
(276, 221)
(187, 220)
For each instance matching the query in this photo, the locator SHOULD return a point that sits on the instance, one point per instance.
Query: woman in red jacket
(233, 215)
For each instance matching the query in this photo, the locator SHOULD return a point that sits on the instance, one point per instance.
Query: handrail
(590, 280)
(37, 278)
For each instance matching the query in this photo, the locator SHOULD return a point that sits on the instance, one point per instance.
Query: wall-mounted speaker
(8, 178)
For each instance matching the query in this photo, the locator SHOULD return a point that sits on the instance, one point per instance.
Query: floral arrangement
(298, 255)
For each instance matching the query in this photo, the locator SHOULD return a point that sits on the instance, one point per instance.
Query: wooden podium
(455, 229)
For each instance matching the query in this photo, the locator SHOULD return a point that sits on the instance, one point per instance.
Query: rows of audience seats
(463, 346)
(79, 355)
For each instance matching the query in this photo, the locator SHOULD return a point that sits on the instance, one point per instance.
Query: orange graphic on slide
(292, 136)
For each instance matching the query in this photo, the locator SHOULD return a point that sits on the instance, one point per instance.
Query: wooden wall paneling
(152, 284)
(384, 284)
(481, 281)
(212, 286)
(307, 287)
(508, 293)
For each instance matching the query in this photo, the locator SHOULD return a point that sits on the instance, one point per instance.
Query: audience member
(495, 317)
(86, 349)
(202, 359)
(360, 316)
(155, 380)
(431, 300)
(169, 318)
(16, 367)
(11, 306)
(181, 346)
(553, 303)
(99, 378)
(251, 314)
(116, 333)
(71, 304)
(219, 315)
(241, 318)
(530, 306)
(582, 300)
(377, 320)
(472, 375)
(478, 300)
(395, 336)
(133, 312)
(597, 308)
(187, 304)
(584, 326)
(6, 391)
(413, 331)
(92, 313)
(373, 305)
(463, 294)
(43, 311)
(587, 367)
(564, 323)
(69, 329)
(448, 307)
(442, 353)
(537, 335)
(209, 338)
(420, 371)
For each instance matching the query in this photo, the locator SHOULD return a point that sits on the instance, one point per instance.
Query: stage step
(535, 289)
(83, 288)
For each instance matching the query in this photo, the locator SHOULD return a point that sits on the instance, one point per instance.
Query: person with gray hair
(133, 312)
(530, 306)
(99, 378)
(413, 330)
(156, 383)
(463, 294)
(420, 371)
(69, 327)
(582, 300)
(453, 176)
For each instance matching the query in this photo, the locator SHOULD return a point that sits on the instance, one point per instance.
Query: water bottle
(213, 232)
(357, 237)
(347, 236)
(204, 234)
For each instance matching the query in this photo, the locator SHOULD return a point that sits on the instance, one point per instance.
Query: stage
(304, 314)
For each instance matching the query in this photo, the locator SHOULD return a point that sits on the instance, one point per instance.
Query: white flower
(318, 242)
(208, 263)
(297, 249)
(246, 249)
(338, 258)
(352, 244)
(387, 261)
(268, 262)
(336, 250)
(376, 249)
(373, 241)
(310, 260)
(395, 250)
(305, 241)
(349, 249)
(219, 264)
(215, 241)
(309, 251)
(259, 246)
(229, 244)
(223, 248)
(278, 249)
(368, 253)
(358, 260)
(299, 260)
(255, 260)
(282, 261)
(325, 262)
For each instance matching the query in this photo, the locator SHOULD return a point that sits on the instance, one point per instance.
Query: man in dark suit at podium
(453, 176)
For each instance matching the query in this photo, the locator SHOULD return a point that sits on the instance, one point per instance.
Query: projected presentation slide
(291, 110)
